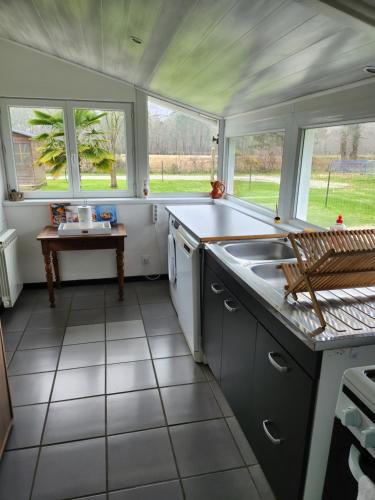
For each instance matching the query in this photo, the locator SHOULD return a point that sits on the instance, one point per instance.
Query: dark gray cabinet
(270, 390)
(280, 418)
(238, 350)
(213, 321)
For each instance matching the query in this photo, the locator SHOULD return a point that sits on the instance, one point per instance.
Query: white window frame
(230, 157)
(68, 107)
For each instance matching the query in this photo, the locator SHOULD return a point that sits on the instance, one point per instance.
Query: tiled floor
(109, 404)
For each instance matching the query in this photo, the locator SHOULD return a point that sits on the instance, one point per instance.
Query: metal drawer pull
(228, 307)
(275, 364)
(215, 289)
(273, 440)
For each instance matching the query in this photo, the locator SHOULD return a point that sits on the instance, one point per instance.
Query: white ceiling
(222, 56)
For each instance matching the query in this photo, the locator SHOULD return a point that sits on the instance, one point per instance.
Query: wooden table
(53, 243)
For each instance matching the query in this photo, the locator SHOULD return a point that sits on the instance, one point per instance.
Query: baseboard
(99, 281)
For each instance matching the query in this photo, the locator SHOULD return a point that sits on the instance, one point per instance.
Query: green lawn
(355, 200)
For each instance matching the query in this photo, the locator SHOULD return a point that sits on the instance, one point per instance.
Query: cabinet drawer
(280, 422)
(212, 321)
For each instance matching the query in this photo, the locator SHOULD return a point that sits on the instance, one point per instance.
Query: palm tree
(92, 144)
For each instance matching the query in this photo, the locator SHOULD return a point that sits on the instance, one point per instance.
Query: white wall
(144, 238)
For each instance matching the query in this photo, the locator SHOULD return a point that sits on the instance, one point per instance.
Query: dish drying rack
(330, 260)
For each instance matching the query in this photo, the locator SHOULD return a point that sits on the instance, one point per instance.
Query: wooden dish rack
(330, 260)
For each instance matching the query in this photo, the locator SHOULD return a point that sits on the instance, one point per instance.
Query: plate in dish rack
(76, 229)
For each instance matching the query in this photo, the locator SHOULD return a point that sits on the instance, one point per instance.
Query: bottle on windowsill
(339, 226)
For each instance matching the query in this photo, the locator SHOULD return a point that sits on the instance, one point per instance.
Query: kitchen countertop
(218, 223)
(350, 313)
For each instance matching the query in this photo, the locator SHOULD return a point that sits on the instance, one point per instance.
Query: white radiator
(10, 276)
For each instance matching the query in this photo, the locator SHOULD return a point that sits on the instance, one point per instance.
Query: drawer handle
(228, 307)
(215, 289)
(275, 364)
(273, 440)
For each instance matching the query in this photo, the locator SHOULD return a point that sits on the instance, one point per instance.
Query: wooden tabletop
(50, 233)
(210, 223)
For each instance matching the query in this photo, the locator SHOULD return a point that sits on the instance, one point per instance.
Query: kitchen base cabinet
(238, 349)
(280, 420)
(212, 321)
(6, 414)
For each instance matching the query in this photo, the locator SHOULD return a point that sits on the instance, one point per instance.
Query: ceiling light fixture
(136, 39)
(369, 69)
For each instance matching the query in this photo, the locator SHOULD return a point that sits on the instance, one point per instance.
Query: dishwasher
(184, 283)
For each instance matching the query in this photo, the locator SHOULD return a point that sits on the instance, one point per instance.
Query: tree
(355, 131)
(114, 125)
(91, 143)
(344, 143)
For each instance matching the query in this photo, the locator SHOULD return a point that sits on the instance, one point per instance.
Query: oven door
(347, 462)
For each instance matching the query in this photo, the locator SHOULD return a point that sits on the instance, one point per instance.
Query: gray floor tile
(8, 357)
(153, 293)
(126, 313)
(71, 469)
(94, 497)
(122, 351)
(176, 371)
(30, 389)
(159, 310)
(112, 299)
(79, 383)
(86, 317)
(49, 318)
(146, 456)
(42, 337)
(76, 419)
(89, 301)
(34, 360)
(12, 322)
(80, 355)
(187, 403)
(170, 490)
(232, 484)
(125, 330)
(220, 398)
(261, 483)
(204, 447)
(166, 346)
(94, 289)
(14, 466)
(162, 326)
(61, 301)
(130, 376)
(241, 441)
(82, 334)
(27, 426)
(209, 375)
(134, 411)
(11, 340)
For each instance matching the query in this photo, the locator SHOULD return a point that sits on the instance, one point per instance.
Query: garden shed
(30, 175)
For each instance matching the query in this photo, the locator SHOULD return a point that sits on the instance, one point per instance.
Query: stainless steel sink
(270, 274)
(259, 250)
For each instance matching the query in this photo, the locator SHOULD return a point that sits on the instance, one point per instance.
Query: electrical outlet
(145, 259)
(155, 213)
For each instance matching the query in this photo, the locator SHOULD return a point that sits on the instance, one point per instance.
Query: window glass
(338, 176)
(101, 148)
(257, 167)
(182, 153)
(39, 151)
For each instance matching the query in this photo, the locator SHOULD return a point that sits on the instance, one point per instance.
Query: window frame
(230, 167)
(68, 106)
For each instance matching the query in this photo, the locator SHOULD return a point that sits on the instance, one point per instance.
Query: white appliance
(10, 277)
(352, 453)
(184, 283)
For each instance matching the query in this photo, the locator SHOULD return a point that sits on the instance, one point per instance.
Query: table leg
(49, 276)
(120, 272)
(56, 267)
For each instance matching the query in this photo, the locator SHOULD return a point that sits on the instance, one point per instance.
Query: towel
(366, 489)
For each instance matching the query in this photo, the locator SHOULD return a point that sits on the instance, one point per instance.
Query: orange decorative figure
(218, 189)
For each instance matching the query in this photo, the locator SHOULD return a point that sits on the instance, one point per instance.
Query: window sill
(196, 199)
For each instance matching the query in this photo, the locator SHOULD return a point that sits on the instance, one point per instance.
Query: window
(69, 149)
(255, 167)
(337, 176)
(39, 150)
(182, 152)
